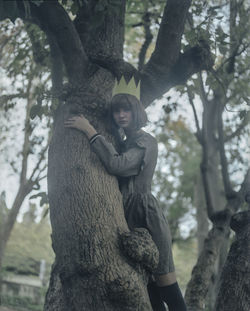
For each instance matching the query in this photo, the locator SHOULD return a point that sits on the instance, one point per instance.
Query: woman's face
(123, 117)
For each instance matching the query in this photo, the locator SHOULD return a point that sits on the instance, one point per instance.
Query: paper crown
(122, 87)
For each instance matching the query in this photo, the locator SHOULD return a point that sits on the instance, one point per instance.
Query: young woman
(134, 166)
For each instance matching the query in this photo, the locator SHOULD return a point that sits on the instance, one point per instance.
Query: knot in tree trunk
(139, 246)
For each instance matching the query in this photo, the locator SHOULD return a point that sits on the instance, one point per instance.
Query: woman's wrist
(90, 131)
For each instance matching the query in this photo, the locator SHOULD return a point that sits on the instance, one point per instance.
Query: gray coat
(134, 167)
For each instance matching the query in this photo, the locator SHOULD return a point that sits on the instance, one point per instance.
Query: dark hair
(128, 101)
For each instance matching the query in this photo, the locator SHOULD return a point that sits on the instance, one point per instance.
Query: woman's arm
(125, 164)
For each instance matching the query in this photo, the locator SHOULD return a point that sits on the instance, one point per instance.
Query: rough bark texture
(87, 220)
(201, 214)
(197, 287)
(235, 279)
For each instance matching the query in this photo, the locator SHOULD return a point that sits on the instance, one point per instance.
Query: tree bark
(198, 285)
(87, 222)
(201, 214)
(235, 280)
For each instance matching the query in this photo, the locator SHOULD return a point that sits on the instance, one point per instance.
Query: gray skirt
(142, 211)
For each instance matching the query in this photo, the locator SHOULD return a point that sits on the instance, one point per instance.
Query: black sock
(172, 295)
(155, 297)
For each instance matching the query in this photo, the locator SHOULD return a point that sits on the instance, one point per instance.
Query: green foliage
(228, 82)
(178, 167)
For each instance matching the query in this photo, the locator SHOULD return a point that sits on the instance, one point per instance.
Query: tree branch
(191, 61)
(223, 160)
(190, 98)
(42, 155)
(54, 20)
(169, 37)
(101, 31)
(147, 42)
(56, 66)
(243, 124)
(5, 98)
(27, 133)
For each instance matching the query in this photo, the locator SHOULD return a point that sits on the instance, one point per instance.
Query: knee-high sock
(172, 295)
(155, 297)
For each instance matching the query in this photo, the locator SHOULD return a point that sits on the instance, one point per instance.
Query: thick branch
(169, 37)
(54, 20)
(27, 133)
(101, 31)
(223, 159)
(206, 185)
(191, 61)
(190, 98)
(147, 42)
(56, 66)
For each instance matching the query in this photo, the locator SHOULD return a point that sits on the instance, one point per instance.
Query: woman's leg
(155, 297)
(170, 292)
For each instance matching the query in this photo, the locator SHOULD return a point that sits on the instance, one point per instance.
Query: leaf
(74, 8)
(243, 114)
(35, 111)
(44, 199)
(46, 212)
(219, 17)
(40, 194)
(223, 49)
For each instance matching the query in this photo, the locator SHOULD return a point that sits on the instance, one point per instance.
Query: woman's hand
(82, 124)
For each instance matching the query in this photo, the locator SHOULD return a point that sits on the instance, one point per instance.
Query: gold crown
(122, 87)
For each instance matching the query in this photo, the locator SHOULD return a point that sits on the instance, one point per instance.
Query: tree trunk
(10, 218)
(201, 213)
(197, 287)
(214, 285)
(235, 279)
(90, 270)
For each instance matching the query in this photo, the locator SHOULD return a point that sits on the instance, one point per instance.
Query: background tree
(27, 159)
(219, 134)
